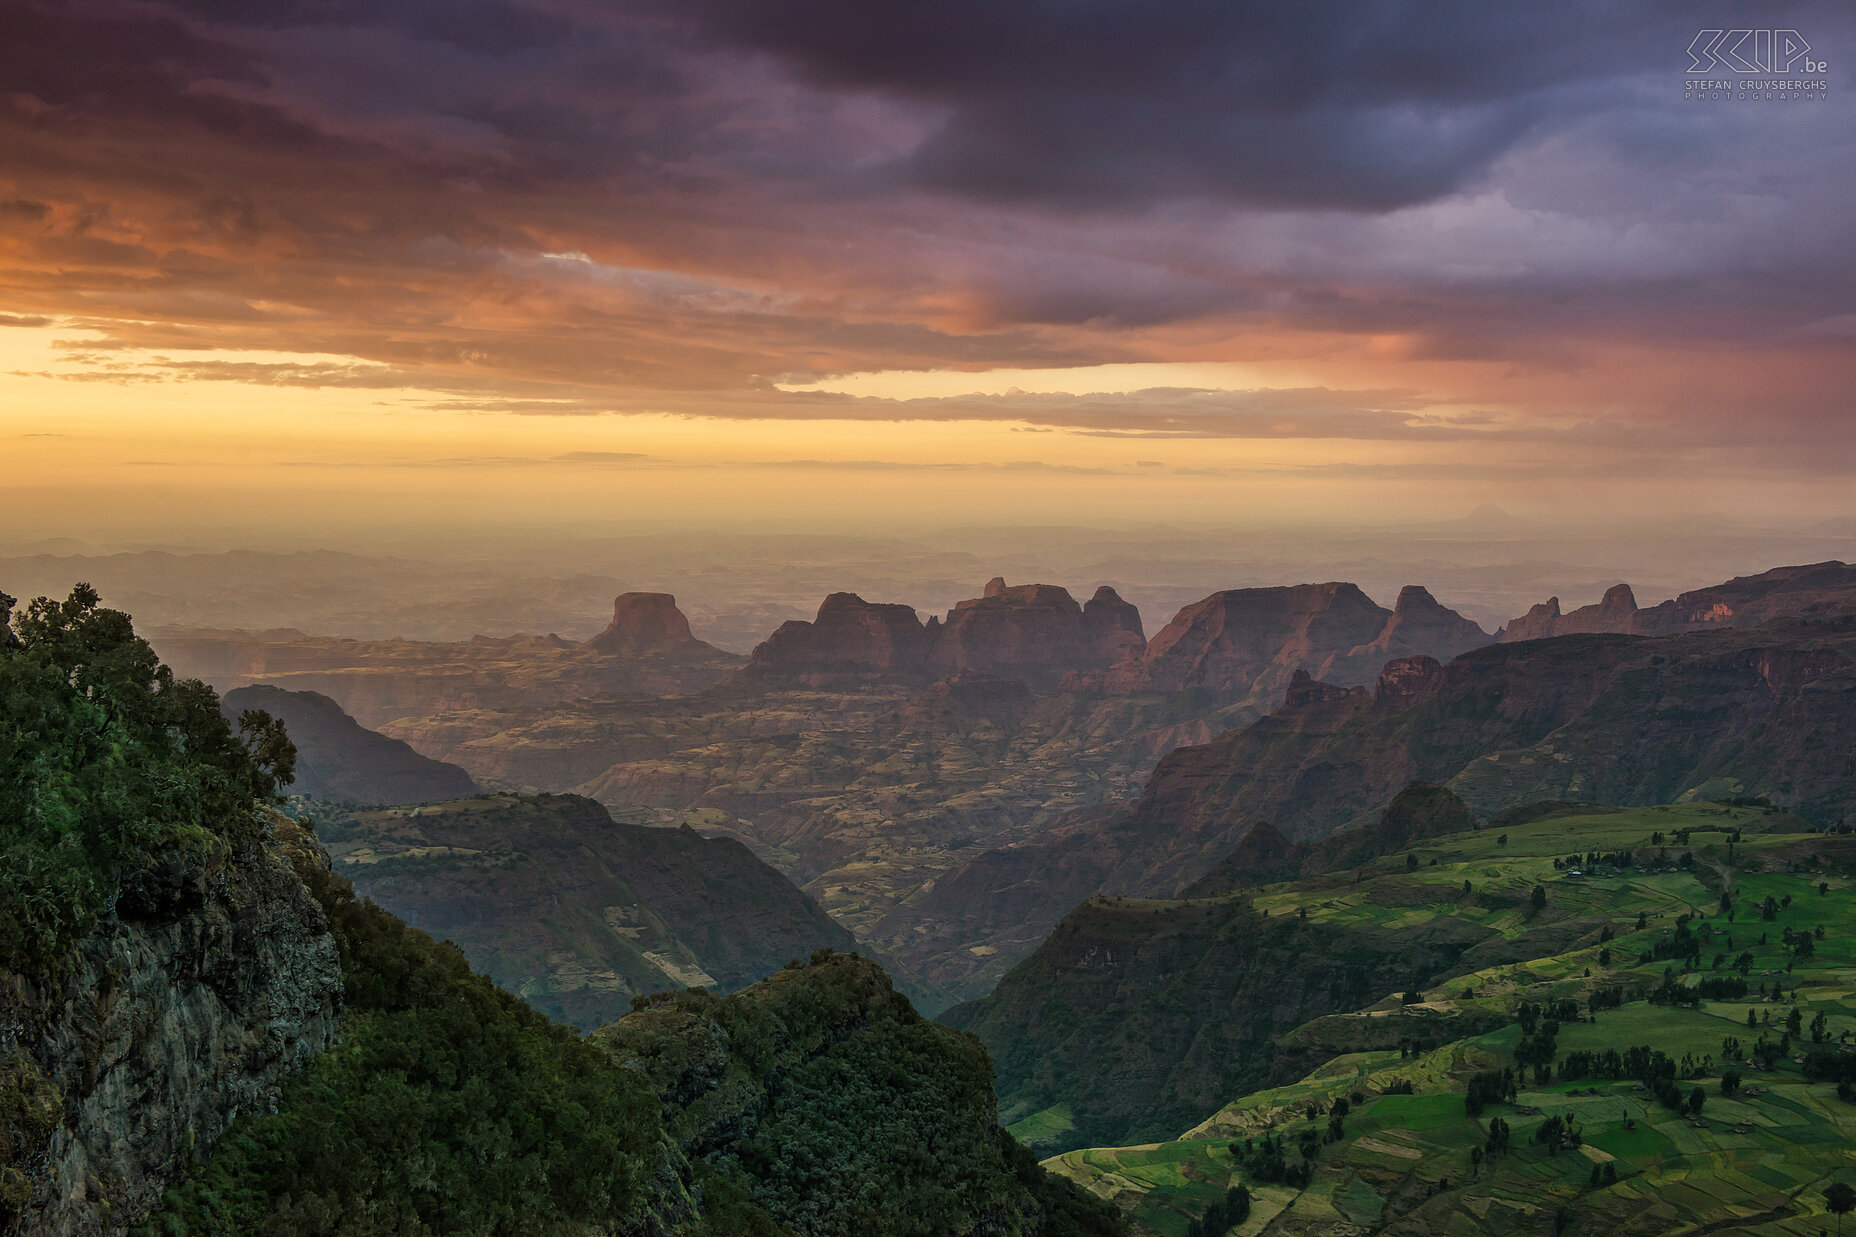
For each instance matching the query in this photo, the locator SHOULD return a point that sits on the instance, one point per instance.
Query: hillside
(1618, 720)
(1671, 950)
(450, 1106)
(340, 761)
(573, 911)
(207, 1032)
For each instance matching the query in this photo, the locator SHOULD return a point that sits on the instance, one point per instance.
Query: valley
(1707, 948)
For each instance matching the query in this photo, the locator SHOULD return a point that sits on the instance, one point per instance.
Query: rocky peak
(1251, 640)
(1036, 632)
(644, 623)
(1617, 612)
(1113, 623)
(1538, 623)
(1619, 599)
(1418, 627)
(850, 635)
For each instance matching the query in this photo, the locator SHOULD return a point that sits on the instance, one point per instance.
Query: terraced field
(1755, 1158)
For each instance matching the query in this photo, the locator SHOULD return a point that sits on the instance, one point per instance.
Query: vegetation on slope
(1555, 1090)
(571, 910)
(109, 768)
(448, 1106)
(825, 1099)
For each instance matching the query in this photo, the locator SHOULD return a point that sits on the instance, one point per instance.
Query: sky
(322, 263)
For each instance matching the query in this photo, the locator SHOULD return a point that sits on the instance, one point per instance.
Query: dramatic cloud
(1422, 222)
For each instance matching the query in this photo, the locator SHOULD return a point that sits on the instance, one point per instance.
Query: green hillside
(1697, 953)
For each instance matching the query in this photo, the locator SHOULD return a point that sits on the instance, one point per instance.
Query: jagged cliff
(1253, 641)
(1745, 601)
(189, 1006)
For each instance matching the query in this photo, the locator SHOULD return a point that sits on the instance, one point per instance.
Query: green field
(1756, 1161)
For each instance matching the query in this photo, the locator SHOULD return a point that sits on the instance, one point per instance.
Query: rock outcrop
(644, 623)
(1036, 632)
(1418, 627)
(1745, 601)
(850, 638)
(1033, 632)
(1616, 614)
(339, 760)
(187, 1007)
(1250, 641)
(1253, 642)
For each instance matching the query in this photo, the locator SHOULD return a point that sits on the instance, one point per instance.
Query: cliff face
(1033, 632)
(1745, 601)
(186, 1008)
(1036, 632)
(645, 623)
(340, 760)
(1252, 642)
(850, 637)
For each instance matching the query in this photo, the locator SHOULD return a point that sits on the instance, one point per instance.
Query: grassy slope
(1750, 1157)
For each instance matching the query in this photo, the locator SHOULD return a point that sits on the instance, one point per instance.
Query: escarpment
(190, 1005)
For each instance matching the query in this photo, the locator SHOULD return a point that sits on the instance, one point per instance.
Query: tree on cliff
(109, 769)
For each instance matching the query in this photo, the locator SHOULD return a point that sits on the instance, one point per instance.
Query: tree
(1730, 1081)
(1538, 898)
(1696, 1099)
(1840, 1198)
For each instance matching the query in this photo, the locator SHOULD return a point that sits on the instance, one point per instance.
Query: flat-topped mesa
(1033, 632)
(850, 636)
(644, 623)
(1036, 632)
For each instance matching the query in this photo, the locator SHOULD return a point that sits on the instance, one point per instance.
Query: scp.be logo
(1751, 51)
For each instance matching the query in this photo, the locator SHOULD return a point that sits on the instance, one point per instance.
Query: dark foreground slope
(341, 761)
(574, 911)
(198, 1012)
(813, 1105)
